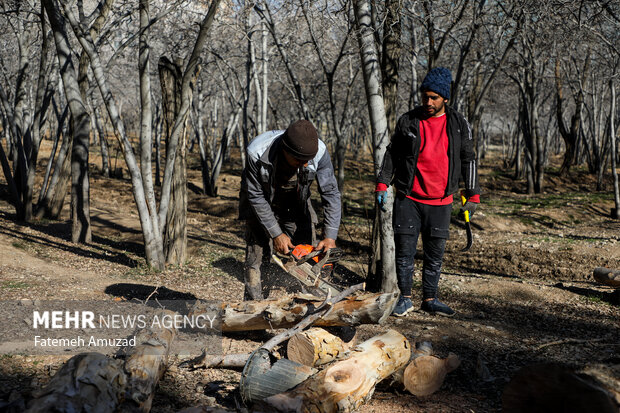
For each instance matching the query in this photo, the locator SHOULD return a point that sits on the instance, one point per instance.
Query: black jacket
(401, 156)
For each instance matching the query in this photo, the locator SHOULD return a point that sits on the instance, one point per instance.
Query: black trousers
(411, 219)
(259, 249)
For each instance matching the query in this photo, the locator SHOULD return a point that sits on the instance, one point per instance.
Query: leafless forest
(148, 81)
(139, 90)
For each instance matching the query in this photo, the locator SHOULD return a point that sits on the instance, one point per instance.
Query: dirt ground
(524, 293)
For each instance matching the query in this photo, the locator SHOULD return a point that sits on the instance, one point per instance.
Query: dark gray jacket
(401, 156)
(257, 185)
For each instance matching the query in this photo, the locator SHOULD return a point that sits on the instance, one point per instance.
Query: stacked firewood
(325, 371)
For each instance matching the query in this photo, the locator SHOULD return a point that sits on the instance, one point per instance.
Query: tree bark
(378, 122)
(348, 384)
(80, 191)
(175, 232)
(615, 213)
(390, 59)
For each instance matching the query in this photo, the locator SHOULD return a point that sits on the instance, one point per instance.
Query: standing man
(275, 197)
(431, 148)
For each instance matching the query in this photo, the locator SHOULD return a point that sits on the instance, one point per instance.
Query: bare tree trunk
(390, 60)
(220, 155)
(413, 61)
(265, 72)
(152, 239)
(159, 123)
(249, 77)
(80, 192)
(615, 213)
(52, 196)
(175, 235)
(146, 133)
(175, 231)
(188, 76)
(103, 143)
(42, 100)
(378, 121)
(571, 135)
(200, 135)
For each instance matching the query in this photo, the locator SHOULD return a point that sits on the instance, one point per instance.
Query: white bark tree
(378, 122)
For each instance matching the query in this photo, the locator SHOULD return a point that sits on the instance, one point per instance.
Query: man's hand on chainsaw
(326, 244)
(282, 244)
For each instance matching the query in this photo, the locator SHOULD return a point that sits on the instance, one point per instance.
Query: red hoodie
(431, 177)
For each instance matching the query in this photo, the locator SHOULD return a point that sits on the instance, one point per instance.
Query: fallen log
(261, 379)
(239, 360)
(94, 382)
(607, 276)
(347, 384)
(366, 308)
(315, 347)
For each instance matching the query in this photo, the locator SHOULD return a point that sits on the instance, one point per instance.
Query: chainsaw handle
(465, 213)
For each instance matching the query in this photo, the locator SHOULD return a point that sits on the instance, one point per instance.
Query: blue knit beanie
(438, 80)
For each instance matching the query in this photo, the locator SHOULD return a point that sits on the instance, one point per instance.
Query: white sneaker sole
(407, 311)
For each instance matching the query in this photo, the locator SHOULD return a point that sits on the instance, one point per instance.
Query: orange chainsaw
(312, 268)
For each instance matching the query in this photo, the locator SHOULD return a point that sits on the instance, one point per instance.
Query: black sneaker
(403, 307)
(435, 306)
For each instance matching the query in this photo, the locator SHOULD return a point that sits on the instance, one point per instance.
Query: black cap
(301, 140)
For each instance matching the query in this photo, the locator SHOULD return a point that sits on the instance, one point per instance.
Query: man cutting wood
(430, 150)
(275, 197)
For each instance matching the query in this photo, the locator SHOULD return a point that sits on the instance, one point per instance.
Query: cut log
(425, 374)
(237, 360)
(315, 347)
(366, 308)
(607, 276)
(94, 382)
(422, 348)
(260, 379)
(555, 387)
(347, 384)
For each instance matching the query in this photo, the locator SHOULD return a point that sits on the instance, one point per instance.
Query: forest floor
(524, 293)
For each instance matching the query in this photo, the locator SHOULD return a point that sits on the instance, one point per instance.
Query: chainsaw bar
(308, 272)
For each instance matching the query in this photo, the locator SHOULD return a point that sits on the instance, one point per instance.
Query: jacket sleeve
(258, 199)
(469, 170)
(330, 196)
